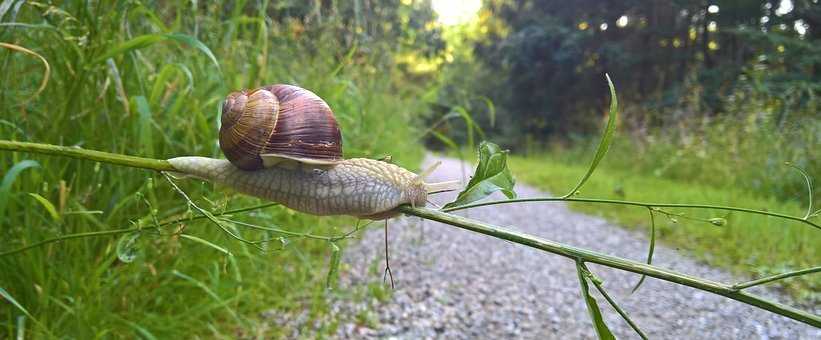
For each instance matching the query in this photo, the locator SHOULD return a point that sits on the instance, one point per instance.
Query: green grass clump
(748, 244)
(144, 81)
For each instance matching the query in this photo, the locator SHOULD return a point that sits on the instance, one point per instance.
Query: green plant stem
(622, 313)
(776, 277)
(92, 155)
(634, 203)
(576, 254)
(128, 230)
(579, 254)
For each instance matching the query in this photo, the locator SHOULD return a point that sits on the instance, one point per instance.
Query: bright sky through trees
(454, 12)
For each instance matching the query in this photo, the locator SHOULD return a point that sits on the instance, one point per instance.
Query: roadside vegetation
(711, 111)
(148, 80)
(715, 98)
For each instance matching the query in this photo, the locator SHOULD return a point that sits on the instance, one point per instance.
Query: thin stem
(93, 155)
(808, 181)
(769, 279)
(615, 306)
(387, 260)
(128, 230)
(650, 250)
(209, 215)
(575, 253)
(163, 165)
(633, 203)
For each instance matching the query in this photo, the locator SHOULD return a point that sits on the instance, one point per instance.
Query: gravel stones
(454, 284)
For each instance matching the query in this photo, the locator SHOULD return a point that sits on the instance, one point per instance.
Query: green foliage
(601, 328)
(606, 138)
(491, 175)
(147, 79)
(540, 62)
(746, 244)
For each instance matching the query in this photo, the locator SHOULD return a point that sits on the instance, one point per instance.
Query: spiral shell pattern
(281, 121)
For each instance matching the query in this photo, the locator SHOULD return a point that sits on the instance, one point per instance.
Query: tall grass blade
(808, 181)
(52, 211)
(471, 125)
(210, 293)
(206, 243)
(602, 331)
(606, 140)
(8, 180)
(14, 302)
(491, 110)
(147, 40)
(144, 126)
(21, 327)
(141, 330)
(46, 70)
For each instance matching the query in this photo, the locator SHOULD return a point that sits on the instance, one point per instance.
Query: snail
(283, 144)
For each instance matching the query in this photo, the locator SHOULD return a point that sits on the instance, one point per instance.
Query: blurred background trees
(664, 55)
(726, 85)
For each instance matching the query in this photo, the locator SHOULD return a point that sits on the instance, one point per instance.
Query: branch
(634, 203)
(776, 277)
(92, 155)
(573, 253)
(129, 230)
(585, 255)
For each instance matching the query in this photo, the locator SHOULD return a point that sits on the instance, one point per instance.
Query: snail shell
(265, 126)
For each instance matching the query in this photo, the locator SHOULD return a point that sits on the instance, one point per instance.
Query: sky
(454, 12)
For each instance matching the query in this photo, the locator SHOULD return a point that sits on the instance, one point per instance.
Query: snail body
(358, 187)
(282, 143)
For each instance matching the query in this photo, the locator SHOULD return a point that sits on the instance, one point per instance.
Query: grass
(146, 81)
(747, 244)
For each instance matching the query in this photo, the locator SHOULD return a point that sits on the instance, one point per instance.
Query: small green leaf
(491, 175)
(206, 243)
(595, 313)
(47, 204)
(127, 247)
(606, 139)
(333, 270)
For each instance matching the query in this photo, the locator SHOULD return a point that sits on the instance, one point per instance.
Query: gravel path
(451, 283)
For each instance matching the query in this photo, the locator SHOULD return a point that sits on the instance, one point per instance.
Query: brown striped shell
(264, 126)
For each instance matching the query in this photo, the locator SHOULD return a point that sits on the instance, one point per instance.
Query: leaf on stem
(491, 175)
(606, 139)
(650, 250)
(333, 269)
(595, 313)
(127, 247)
